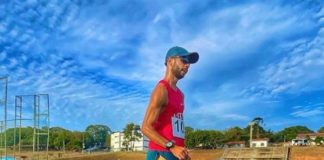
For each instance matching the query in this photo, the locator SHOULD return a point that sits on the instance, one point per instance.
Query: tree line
(215, 138)
(94, 136)
(99, 136)
(59, 138)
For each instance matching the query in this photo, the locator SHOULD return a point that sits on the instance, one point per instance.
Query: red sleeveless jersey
(170, 119)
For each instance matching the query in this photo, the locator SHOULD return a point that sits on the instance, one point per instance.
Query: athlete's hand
(180, 152)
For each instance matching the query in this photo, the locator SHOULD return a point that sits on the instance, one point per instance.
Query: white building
(117, 139)
(260, 142)
(299, 142)
(140, 145)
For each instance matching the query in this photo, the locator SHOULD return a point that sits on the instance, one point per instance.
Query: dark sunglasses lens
(184, 60)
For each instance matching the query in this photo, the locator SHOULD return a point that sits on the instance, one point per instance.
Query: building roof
(303, 135)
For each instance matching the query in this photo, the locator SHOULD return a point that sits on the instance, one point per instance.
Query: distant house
(117, 143)
(299, 141)
(260, 142)
(306, 138)
(235, 144)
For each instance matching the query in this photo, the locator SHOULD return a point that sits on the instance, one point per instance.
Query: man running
(163, 122)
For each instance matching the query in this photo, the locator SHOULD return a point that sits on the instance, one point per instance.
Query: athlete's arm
(159, 98)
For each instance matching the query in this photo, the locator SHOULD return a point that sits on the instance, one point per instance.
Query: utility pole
(255, 121)
(251, 124)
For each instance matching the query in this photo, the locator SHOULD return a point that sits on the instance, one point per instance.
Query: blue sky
(99, 60)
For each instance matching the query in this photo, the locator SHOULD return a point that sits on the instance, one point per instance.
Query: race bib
(178, 129)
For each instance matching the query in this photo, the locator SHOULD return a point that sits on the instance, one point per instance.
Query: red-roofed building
(310, 135)
(306, 139)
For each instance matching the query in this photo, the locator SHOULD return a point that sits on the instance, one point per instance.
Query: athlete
(163, 122)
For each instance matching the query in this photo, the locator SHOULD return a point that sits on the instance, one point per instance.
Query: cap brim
(193, 57)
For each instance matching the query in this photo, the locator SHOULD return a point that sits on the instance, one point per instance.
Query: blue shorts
(154, 155)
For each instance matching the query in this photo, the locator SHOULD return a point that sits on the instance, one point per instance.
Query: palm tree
(258, 121)
(255, 121)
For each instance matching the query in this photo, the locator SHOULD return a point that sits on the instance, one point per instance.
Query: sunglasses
(183, 59)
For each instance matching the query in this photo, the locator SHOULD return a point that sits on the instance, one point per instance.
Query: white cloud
(3, 55)
(298, 72)
(236, 117)
(308, 111)
(12, 63)
(93, 57)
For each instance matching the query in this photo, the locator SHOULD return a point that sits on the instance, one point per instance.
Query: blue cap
(190, 57)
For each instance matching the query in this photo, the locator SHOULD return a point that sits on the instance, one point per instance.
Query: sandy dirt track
(296, 153)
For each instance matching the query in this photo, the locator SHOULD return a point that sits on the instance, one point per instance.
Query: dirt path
(296, 153)
(306, 153)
